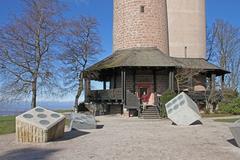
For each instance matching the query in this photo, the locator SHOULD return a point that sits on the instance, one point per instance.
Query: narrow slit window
(142, 9)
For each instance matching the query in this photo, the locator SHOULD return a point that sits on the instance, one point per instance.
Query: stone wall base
(125, 113)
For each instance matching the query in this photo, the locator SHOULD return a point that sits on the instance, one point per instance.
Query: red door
(144, 91)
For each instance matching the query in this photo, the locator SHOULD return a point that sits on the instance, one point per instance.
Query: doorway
(144, 91)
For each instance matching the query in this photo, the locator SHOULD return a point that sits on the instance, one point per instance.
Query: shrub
(166, 97)
(229, 94)
(232, 107)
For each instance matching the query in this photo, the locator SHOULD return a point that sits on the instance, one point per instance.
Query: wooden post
(124, 92)
(104, 85)
(171, 80)
(115, 80)
(123, 85)
(134, 81)
(213, 84)
(191, 82)
(222, 82)
(209, 84)
(154, 81)
(87, 89)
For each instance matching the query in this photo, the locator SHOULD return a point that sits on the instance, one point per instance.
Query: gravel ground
(131, 139)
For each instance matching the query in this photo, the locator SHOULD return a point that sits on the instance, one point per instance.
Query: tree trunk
(79, 91)
(34, 94)
(178, 86)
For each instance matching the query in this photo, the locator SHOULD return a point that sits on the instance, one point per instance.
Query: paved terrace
(122, 139)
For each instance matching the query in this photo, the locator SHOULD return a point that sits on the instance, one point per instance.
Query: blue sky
(228, 10)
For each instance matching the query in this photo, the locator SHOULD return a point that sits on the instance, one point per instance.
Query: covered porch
(139, 76)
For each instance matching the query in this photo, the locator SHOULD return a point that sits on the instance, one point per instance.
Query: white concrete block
(41, 118)
(82, 121)
(39, 125)
(235, 129)
(182, 110)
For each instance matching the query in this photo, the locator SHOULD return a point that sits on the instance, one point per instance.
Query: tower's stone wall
(140, 23)
(187, 28)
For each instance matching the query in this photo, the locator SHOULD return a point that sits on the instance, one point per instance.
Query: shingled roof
(197, 63)
(200, 63)
(151, 57)
(136, 57)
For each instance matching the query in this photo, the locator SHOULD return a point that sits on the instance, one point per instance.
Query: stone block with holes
(39, 125)
(235, 129)
(182, 110)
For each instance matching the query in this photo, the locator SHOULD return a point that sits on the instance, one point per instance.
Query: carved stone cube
(39, 125)
(182, 110)
(235, 129)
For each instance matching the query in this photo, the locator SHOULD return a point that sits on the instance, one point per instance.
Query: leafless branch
(27, 50)
(81, 44)
(225, 44)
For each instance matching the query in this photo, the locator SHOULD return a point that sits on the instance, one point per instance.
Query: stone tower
(140, 23)
(187, 28)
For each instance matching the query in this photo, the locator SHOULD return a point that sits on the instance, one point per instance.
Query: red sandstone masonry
(132, 28)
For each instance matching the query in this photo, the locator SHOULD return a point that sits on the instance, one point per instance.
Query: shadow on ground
(193, 124)
(197, 123)
(72, 134)
(233, 142)
(99, 126)
(28, 154)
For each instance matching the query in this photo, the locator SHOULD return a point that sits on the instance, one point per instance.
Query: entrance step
(151, 112)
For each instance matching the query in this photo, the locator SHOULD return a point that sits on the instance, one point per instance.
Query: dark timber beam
(171, 80)
(222, 82)
(115, 79)
(87, 84)
(123, 85)
(213, 83)
(154, 81)
(104, 85)
(134, 81)
(191, 82)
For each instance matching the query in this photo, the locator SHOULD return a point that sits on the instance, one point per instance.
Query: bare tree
(224, 50)
(186, 78)
(27, 50)
(81, 44)
(211, 39)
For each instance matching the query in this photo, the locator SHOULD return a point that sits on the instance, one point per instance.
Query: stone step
(155, 117)
(150, 109)
(150, 116)
(150, 113)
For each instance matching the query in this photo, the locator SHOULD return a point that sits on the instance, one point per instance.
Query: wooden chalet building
(150, 43)
(137, 75)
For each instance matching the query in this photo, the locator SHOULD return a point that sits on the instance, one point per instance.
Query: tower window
(142, 9)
